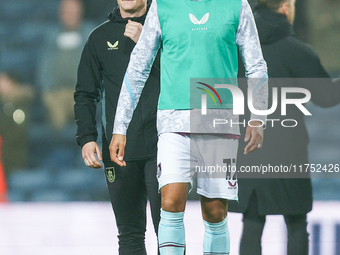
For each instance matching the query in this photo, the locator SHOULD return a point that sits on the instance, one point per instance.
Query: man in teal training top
(198, 40)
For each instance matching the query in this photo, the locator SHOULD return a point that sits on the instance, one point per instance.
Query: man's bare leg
(171, 235)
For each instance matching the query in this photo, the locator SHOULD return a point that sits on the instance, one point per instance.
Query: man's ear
(284, 9)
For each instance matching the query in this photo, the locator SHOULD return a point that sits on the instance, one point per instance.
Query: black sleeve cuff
(86, 139)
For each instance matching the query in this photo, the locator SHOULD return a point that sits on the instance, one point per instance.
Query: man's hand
(133, 30)
(118, 143)
(254, 133)
(89, 152)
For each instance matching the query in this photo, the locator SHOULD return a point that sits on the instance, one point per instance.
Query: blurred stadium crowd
(38, 56)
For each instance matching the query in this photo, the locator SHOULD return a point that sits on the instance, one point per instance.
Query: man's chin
(128, 5)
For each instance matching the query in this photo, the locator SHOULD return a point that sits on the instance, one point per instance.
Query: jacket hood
(271, 26)
(117, 18)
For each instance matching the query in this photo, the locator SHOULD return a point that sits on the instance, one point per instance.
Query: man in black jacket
(286, 57)
(101, 71)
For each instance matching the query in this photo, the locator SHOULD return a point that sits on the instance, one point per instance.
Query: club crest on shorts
(110, 174)
(159, 170)
(232, 184)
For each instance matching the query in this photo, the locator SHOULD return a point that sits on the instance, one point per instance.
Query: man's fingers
(250, 147)
(120, 155)
(246, 139)
(129, 34)
(256, 139)
(113, 154)
(134, 24)
(91, 160)
(89, 152)
(118, 144)
(132, 34)
(119, 160)
(95, 162)
(247, 135)
(133, 27)
(87, 163)
(99, 154)
(133, 30)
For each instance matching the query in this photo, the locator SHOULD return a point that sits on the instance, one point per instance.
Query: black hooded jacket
(100, 74)
(286, 57)
(291, 63)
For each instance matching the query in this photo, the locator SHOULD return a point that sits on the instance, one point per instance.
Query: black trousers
(129, 189)
(253, 224)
